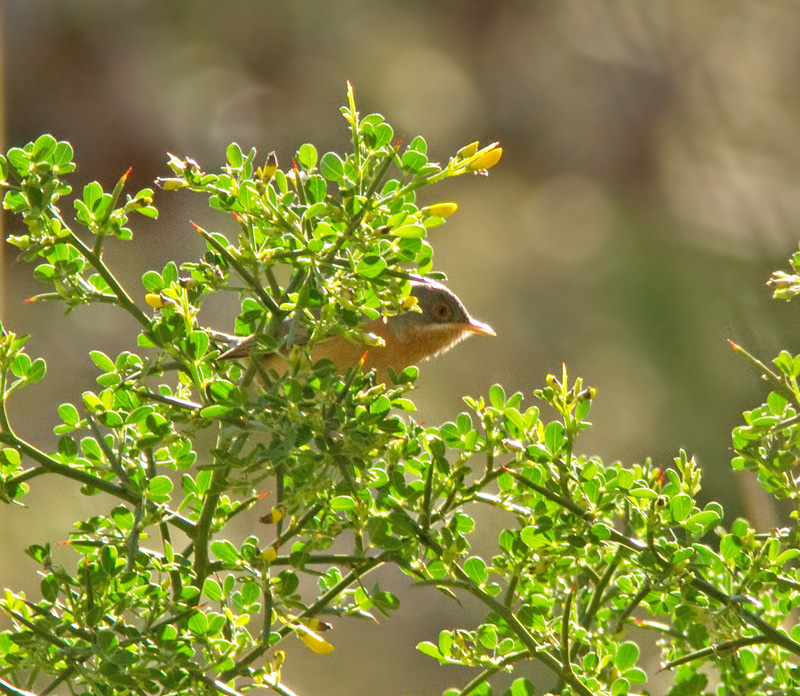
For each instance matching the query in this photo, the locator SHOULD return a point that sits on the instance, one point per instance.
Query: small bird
(408, 338)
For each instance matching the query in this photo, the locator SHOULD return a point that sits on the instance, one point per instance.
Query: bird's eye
(441, 311)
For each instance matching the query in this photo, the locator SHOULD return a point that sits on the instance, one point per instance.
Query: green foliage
(161, 597)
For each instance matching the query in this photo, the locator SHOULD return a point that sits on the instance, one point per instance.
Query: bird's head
(439, 322)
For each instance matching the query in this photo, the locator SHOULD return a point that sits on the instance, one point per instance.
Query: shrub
(160, 599)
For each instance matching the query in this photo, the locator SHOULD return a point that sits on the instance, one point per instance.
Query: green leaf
(446, 643)
(475, 568)
(785, 557)
(234, 155)
(307, 155)
(540, 604)
(533, 538)
(748, 660)
(643, 493)
(198, 623)
(107, 641)
(620, 687)
(487, 636)
(317, 189)
(152, 282)
(19, 159)
(62, 158)
(383, 135)
(225, 551)
(514, 418)
(197, 344)
(36, 371)
(777, 403)
(698, 523)
(371, 267)
(170, 273)
(626, 656)
(9, 457)
(680, 507)
(625, 479)
(214, 411)
(331, 167)
(464, 524)
(413, 161)
(784, 362)
(69, 414)
(635, 675)
(521, 687)
(43, 148)
(429, 649)
(92, 195)
(212, 589)
(342, 503)
(92, 402)
(20, 365)
(411, 231)
(225, 392)
(159, 488)
(418, 144)
(317, 210)
(729, 547)
(251, 593)
(554, 437)
(497, 396)
(102, 360)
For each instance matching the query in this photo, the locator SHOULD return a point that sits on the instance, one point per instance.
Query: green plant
(161, 600)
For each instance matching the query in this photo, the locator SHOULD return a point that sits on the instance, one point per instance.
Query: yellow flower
(409, 302)
(273, 516)
(441, 210)
(154, 301)
(487, 160)
(316, 643)
(468, 150)
(266, 172)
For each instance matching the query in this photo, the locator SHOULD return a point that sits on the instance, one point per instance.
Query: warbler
(440, 322)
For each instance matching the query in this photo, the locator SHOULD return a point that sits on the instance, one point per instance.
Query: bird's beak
(479, 327)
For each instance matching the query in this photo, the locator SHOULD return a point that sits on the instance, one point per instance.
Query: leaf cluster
(594, 561)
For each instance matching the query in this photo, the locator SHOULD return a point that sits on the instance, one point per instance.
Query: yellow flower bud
(276, 662)
(316, 643)
(316, 624)
(487, 160)
(269, 554)
(154, 301)
(172, 184)
(468, 150)
(273, 516)
(266, 172)
(409, 302)
(441, 210)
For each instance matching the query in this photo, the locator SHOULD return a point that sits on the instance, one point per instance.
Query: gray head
(441, 322)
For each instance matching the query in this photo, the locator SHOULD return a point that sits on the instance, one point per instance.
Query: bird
(408, 338)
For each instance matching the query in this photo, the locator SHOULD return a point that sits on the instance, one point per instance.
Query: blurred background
(648, 188)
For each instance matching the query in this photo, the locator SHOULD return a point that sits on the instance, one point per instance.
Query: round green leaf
(159, 488)
(342, 503)
(331, 167)
(307, 155)
(626, 656)
(475, 568)
(212, 589)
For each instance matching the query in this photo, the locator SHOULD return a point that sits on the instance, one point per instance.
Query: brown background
(648, 187)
